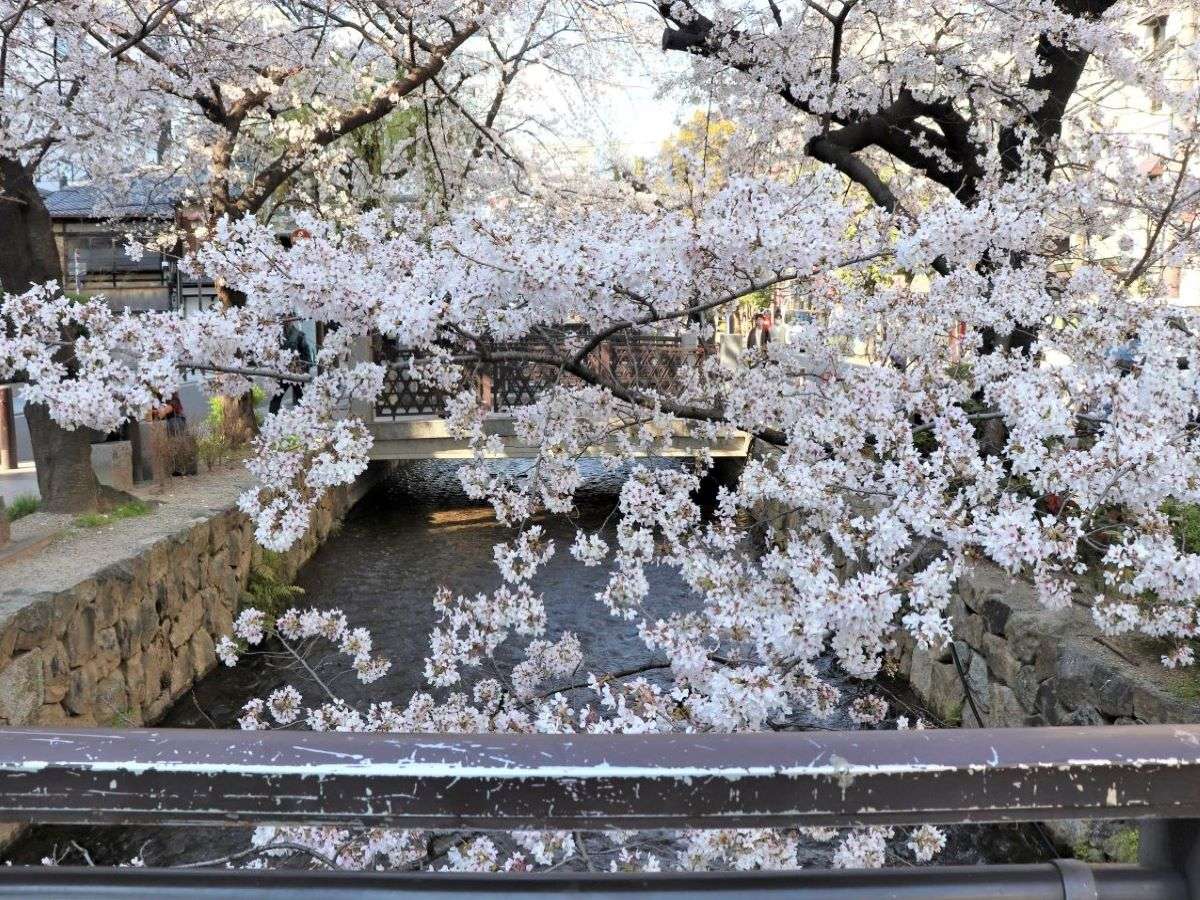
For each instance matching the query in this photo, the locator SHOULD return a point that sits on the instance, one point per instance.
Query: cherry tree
(57, 92)
(957, 172)
(249, 105)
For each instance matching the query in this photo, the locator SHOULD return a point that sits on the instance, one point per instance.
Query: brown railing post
(8, 429)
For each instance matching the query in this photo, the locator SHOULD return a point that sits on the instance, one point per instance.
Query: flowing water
(413, 534)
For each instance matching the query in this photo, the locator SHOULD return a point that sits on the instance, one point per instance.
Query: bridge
(407, 419)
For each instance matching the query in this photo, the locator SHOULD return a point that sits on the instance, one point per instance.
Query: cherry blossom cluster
(994, 373)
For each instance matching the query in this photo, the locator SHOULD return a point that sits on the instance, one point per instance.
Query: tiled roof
(143, 199)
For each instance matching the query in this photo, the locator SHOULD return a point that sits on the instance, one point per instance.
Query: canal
(413, 534)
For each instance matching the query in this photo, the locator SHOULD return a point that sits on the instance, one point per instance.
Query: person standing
(294, 340)
(760, 334)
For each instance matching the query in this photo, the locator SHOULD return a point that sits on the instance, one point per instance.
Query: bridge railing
(592, 782)
(637, 361)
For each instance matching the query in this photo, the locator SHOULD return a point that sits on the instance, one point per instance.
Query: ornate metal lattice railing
(642, 363)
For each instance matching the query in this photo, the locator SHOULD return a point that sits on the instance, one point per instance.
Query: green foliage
(1185, 524)
(955, 715)
(1183, 684)
(1123, 846)
(1087, 852)
(212, 447)
(267, 589)
(23, 506)
(704, 139)
(124, 511)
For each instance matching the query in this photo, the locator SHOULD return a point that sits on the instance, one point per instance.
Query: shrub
(267, 588)
(23, 506)
(124, 511)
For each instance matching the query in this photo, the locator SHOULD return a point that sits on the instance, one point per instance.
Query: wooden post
(8, 430)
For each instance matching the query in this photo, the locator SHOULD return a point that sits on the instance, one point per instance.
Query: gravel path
(77, 552)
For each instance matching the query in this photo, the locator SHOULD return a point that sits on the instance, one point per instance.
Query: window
(102, 257)
(1157, 28)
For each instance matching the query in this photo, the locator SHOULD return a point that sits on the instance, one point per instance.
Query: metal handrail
(1064, 880)
(587, 782)
(178, 776)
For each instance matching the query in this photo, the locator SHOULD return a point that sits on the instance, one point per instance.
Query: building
(90, 228)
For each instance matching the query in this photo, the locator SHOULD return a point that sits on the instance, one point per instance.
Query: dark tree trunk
(28, 255)
(66, 479)
(237, 412)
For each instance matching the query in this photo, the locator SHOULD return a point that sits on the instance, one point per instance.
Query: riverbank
(114, 619)
(414, 533)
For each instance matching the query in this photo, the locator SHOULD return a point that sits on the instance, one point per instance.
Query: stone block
(113, 463)
(190, 617)
(135, 682)
(112, 700)
(82, 693)
(964, 653)
(193, 574)
(1004, 710)
(1026, 688)
(1115, 697)
(109, 600)
(977, 680)
(56, 672)
(199, 540)
(156, 663)
(34, 625)
(81, 636)
(22, 688)
(973, 631)
(218, 567)
(219, 532)
(921, 673)
(85, 592)
(1083, 715)
(181, 673)
(1046, 659)
(902, 650)
(1047, 704)
(969, 591)
(50, 714)
(148, 621)
(243, 559)
(158, 560)
(957, 611)
(1154, 707)
(218, 621)
(1078, 677)
(1000, 659)
(108, 650)
(946, 693)
(230, 588)
(128, 627)
(995, 613)
(203, 654)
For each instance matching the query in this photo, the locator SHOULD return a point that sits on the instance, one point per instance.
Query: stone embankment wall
(121, 645)
(1026, 664)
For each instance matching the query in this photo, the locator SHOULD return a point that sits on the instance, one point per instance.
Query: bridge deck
(427, 437)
